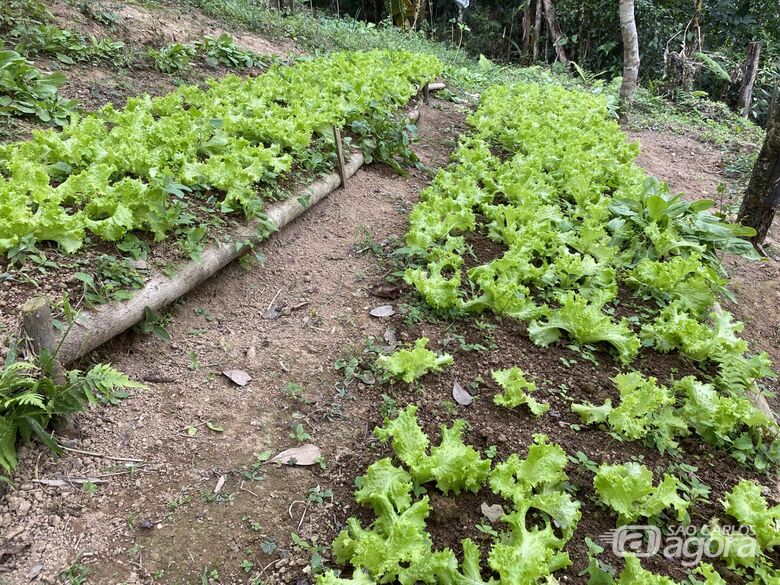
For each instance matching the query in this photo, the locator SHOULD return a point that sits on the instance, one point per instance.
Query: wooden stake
(37, 325)
(426, 93)
(340, 154)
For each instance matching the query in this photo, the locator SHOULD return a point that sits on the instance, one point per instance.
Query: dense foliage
(140, 168)
(25, 90)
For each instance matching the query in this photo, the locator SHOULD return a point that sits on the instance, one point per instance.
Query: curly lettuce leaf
(628, 489)
(410, 364)
(517, 391)
(585, 323)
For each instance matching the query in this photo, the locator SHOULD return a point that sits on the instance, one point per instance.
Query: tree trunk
(528, 23)
(630, 56)
(762, 197)
(751, 70)
(537, 30)
(555, 31)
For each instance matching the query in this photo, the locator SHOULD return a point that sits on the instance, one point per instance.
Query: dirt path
(164, 523)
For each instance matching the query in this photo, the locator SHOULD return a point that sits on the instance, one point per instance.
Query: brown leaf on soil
(239, 377)
(492, 513)
(303, 455)
(382, 311)
(460, 394)
(386, 291)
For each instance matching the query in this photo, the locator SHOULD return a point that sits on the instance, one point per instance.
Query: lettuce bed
(587, 236)
(135, 169)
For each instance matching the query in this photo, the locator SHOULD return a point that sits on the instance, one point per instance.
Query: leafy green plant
(410, 364)
(172, 58)
(410, 444)
(97, 11)
(628, 490)
(746, 504)
(20, 13)
(398, 548)
(517, 391)
(222, 50)
(66, 45)
(661, 415)
(30, 399)
(101, 175)
(386, 137)
(24, 90)
(113, 280)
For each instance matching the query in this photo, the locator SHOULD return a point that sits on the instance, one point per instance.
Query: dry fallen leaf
(390, 338)
(271, 313)
(460, 394)
(383, 311)
(34, 571)
(239, 377)
(303, 455)
(492, 513)
(386, 291)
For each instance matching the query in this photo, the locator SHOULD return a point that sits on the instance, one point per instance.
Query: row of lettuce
(139, 168)
(586, 235)
(543, 516)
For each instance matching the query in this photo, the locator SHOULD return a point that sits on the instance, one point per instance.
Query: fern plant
(30, 398)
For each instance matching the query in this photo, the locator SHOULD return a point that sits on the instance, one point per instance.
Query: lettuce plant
(517, 391)
(454, 465)
(410, 364)
(585, 323)
(645, 410)
(397, 547)
(628, 489)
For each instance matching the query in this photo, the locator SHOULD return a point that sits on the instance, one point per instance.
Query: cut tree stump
(39, 329)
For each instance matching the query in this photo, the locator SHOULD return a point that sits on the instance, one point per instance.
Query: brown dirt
(158, 24)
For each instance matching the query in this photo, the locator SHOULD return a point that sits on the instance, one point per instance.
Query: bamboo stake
(340, 155)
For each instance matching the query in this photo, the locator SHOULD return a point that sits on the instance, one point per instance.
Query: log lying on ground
(95, 327)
